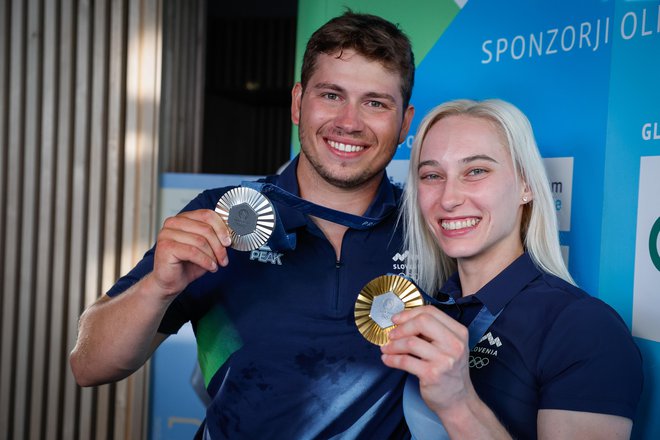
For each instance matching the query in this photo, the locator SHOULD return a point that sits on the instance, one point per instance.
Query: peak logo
(265, 255)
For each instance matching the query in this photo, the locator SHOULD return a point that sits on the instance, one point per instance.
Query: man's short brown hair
(371, 36)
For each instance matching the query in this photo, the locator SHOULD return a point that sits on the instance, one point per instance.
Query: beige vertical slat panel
(5, 368)
(28, 146)
(115, 141)
(114, 155)
(74, 412)
(30, 183)
(92, 421)
(114, 167)
(13, 221)
(60, 402)
(143, 86)
(150, 85)
(79, 117)
(4, 151)
(112, 192)
(47, 195)
(140, 178)
(131, 177)
(4, 147)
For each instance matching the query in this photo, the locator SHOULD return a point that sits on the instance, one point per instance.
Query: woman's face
(468, 193)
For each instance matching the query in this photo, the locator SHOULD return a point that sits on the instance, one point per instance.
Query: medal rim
(262, 207)
(402, 287)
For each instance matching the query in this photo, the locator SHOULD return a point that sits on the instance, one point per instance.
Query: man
(277, 344)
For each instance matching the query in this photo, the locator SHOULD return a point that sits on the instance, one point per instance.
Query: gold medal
(249, 215)
(379, 300)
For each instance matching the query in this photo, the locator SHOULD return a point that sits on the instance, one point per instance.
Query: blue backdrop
(587, 74)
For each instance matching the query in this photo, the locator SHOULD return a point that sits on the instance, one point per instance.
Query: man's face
(350, 119)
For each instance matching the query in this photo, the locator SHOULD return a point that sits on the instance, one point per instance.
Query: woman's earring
(524, 199)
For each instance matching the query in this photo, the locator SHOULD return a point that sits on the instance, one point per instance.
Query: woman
(523, 352)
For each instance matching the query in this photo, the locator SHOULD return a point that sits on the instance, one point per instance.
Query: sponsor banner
(560, 179)
(646, 293)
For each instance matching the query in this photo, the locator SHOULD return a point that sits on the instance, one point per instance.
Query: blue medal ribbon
(280, 240)
(424, 424)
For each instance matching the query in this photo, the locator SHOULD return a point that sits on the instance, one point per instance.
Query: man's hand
(189, 245)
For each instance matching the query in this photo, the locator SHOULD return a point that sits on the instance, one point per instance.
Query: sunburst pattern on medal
(265, 217)
(400, 286)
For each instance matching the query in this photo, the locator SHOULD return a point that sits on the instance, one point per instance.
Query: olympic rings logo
(477, 362)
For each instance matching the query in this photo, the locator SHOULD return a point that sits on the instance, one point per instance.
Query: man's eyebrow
(369, 95)
(331, 86)
(377, 95)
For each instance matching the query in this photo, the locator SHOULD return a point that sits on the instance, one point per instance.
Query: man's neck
(351, 200)
(354, 200)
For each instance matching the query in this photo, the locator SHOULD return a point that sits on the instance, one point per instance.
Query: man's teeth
(346, 148)
(460, 224)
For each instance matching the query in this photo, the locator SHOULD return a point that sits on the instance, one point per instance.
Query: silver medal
(249, 215)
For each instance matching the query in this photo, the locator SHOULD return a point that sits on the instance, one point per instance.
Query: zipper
(338, 266)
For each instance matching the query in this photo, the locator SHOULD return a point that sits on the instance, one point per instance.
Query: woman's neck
(475, 272)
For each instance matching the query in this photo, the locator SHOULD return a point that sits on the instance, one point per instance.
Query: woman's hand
(434, 347)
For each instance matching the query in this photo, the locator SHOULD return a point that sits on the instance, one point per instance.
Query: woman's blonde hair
(427, 264)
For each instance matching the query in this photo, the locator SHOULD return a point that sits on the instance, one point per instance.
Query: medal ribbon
(274, 192)
(479, 325)
(424, 424)
(280, 240)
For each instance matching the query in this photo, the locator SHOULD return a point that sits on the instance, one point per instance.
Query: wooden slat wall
(79, 118)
